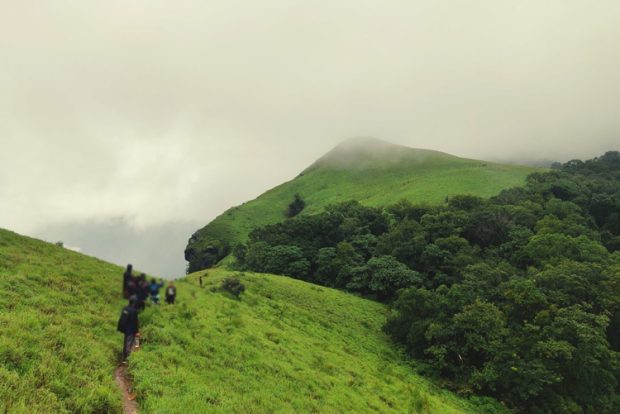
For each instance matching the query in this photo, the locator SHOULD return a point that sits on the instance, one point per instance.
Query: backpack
(122, 322)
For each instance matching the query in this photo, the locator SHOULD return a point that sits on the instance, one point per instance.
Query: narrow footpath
(129, 403)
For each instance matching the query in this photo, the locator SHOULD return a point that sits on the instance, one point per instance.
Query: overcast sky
(122, 121)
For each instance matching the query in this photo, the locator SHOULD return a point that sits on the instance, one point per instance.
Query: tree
(405, 241)
(334, 265)
(587, 366)
(554, 247)
(466, 345)
(295, 207)
(283, 260)
(383, 277)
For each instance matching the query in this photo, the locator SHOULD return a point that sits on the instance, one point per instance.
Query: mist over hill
(368, 152)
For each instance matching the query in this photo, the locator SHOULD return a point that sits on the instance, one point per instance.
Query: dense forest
(515, 297)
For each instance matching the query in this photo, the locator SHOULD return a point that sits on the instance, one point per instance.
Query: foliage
(233, 286)
(295, 207)
(382, 277)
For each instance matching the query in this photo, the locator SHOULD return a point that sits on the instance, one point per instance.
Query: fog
(126, 125)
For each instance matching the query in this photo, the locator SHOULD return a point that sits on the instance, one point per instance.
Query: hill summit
(368, 152)
(371, 171)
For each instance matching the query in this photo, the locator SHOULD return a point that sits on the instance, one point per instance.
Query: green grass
(374, 173)
(58, 342)
(286, 346)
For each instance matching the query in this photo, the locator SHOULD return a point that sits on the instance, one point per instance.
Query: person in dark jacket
(171, 293)
(127, 276)
(128, 325)
(154, 290)
(142, 291)
(132, 286)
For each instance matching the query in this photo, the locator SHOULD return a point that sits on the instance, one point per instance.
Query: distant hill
(286, 346)
(371, 171)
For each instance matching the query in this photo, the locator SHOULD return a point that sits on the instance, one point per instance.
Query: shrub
(295, 207)
(233, 286)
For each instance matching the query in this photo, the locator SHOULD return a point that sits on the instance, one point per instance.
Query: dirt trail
(129, 403)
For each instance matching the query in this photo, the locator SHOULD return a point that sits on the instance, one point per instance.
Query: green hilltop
(371, 171)
(285, 346)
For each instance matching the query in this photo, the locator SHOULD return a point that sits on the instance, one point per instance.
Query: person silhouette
(171, 293)
(129, 326)
(127, 276)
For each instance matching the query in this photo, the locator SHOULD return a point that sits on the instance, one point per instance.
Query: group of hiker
(137, 289)
(143, 289)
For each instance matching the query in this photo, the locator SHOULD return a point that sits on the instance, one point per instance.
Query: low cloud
(156, 249)
(164, 112)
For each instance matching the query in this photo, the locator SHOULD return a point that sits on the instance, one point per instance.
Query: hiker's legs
(128, 344)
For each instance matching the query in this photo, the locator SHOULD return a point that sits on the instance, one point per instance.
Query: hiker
(142, 291)
(127, 276)
(200, 279)
(128, 325)
(132, 286)
(171, 293)
(154, 290)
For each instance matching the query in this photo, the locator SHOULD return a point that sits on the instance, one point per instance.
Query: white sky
(159, 112)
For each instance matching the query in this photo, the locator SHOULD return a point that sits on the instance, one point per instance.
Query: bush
(233, 286)
(295, 207)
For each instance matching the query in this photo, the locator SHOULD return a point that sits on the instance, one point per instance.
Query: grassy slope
(374, 173)
(286, 346)
(58, 342)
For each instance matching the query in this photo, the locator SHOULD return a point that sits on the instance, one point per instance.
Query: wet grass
(285, 346)
(58, 342)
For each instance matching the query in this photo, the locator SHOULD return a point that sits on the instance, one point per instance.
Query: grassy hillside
(286, 346)
(58, 342)
(371, 171)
